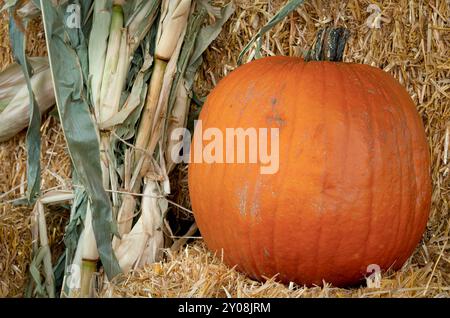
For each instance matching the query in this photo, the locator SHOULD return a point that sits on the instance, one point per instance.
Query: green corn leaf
(58, 272)
(33, 139)
(35, 271)
(74, 228)
(67, 49)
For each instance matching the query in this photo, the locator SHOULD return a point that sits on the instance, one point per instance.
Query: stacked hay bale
(412, 43)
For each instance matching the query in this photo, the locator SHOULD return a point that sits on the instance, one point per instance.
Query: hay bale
(412, 44)
(196, 272)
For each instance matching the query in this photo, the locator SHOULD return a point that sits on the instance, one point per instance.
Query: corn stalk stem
(116, 64)
(126, 212)
(88, 268)
(112, 82)
(89, 252)
(148, 113)
(98, 44)
(142, 243)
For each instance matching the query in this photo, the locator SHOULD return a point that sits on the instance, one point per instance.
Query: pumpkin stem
(329, 45)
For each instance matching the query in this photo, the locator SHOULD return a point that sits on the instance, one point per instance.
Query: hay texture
(412, 43)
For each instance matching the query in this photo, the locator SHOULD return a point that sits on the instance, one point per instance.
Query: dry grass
(15, 234)
(413, 44)
(195, 272)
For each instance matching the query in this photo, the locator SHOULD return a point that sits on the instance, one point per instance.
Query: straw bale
(196, 272)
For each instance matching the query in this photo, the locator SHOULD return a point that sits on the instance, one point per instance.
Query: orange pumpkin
(353, 186)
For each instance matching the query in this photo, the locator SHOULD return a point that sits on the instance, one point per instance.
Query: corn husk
(174, 13)
(43, 252)
(14, 98)
(139, 235)
(11, 78)
(143, 244)
(29, 10)
(155, 123)
(174, 18)
(89, 254)
(177, 121)
(200, 38)
(98, 44)
(42, 257)
(116, 66)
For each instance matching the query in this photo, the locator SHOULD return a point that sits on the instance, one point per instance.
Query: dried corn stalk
(116, 118)
(166, 109)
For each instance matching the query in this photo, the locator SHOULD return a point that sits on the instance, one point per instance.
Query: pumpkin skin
(353, 186)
